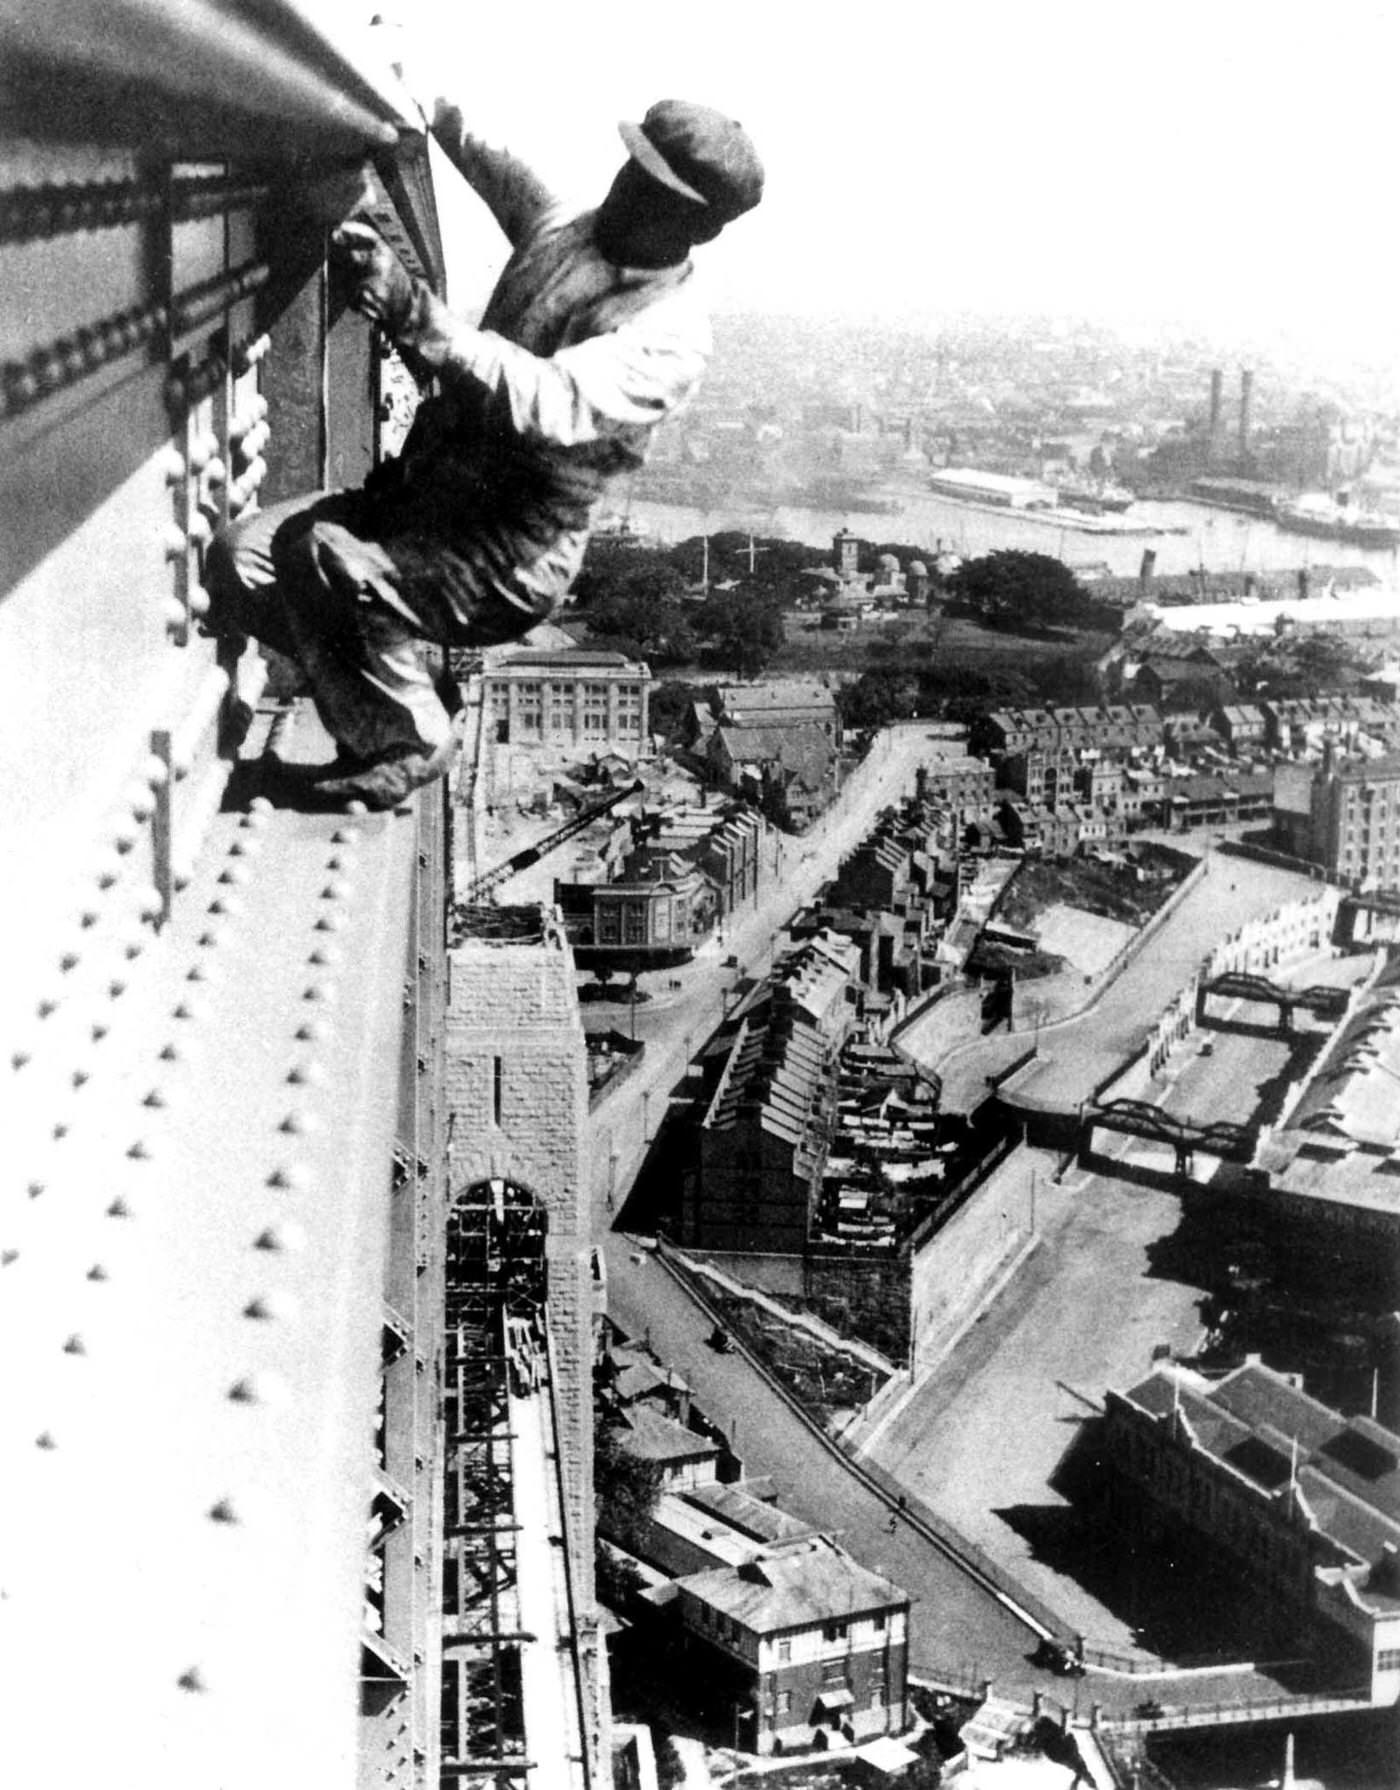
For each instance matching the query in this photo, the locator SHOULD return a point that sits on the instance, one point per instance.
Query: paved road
(981, 1437)
(1077, 1053)
(957, 1626)
(674, 1024)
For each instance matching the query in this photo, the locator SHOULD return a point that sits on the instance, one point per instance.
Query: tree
(636, 596)
(625, 1488)
(743, 629)
(1018, 588)
(670, 704)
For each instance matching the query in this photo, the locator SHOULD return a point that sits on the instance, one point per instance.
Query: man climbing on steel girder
(592, 337)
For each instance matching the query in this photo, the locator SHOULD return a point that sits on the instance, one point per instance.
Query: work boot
(388, 779)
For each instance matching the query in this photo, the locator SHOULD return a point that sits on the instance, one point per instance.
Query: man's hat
(699, 153)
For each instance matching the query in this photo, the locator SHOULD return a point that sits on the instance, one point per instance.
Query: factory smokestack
(1145, 570)
(1246, 410)
(1217, 399)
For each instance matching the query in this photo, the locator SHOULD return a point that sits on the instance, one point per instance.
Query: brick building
(566, 700)
(766, 1130)
(1345, 816)
(1302, 1502)
(789, 771)
(803, 1638)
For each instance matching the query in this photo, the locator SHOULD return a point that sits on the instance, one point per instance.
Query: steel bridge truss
(1239, 985)
(1138, 1118)
(495, 1293)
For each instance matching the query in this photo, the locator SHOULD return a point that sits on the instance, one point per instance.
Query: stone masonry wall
(514, 1005)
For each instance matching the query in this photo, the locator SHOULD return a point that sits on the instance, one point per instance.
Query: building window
(784, 1652)
(1388, 1659)
(784, 1702)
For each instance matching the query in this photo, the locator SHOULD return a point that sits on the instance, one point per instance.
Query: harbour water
(1183, 536)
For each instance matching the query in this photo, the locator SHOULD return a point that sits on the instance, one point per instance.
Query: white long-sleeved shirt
(575, 362)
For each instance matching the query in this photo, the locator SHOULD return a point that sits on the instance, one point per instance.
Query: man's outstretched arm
(630, 376)
(515, 194)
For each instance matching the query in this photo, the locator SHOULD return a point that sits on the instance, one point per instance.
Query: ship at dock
(1335, 519)
(1094, 497)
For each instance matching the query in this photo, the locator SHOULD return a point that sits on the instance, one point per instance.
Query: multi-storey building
(1353, 820)
(766, 1130)
(594, 700)
(1304, 1504)
(803, 1641)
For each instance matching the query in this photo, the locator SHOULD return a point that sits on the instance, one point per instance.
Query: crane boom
(482, 885)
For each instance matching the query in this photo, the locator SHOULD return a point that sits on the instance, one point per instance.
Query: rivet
(169, 1054)
(302, 1073)
(357, 808)
(138, 801)
(120, 1208)
(325, 954)
(88, 919)
(36, 1188)
(234, 873)
(99, 1032)
(294, 1179)
(192, 1679)
(133, 948)
(45, 1440)
(312, 1029)
(315, 991)
(75, 1345)
(223, 1511)
(18, 1058)
(266, 1307)
(330, 923)
(59, 1132)
(69, 961)
(245, 848)
(47, 1007)
(257, 1389)
(149, 904)
(139, 1151)
(226, 904)
(197, 972)
(207, 940)
(116, 988)
(7, 1256)
(189, 1009)
(335, 890)
(97, 1272)
(260, 805)
(154, 1098)
(342, 836)
(296, 1124)
(79, 1077)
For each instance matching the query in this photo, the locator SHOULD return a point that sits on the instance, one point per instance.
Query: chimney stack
(1217, 397)
(1246, 410)
(1148, 566)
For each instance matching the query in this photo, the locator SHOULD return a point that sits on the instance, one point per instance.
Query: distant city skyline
(1220, 166)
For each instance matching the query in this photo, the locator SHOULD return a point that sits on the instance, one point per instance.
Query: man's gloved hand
(381, 287)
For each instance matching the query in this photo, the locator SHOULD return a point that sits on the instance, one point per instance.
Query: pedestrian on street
(592, 337)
